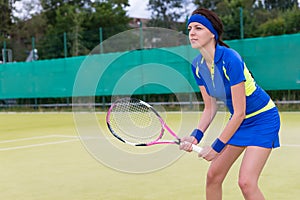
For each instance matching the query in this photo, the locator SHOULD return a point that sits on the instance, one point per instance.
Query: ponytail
(220, 42)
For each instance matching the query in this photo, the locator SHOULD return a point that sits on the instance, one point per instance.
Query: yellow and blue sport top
(229, 69)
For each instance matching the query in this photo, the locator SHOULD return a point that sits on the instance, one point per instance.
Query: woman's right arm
(209, 112)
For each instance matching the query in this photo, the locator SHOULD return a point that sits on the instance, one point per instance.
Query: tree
(110, 16)
(285, 23)
(292, 20)
(209, 4)
(279, 4)
(17, 30)
(50, 7)
(78, 47)
(22, 33)
(260, 17)
(165, 13)
(5, 18)
(81, 21)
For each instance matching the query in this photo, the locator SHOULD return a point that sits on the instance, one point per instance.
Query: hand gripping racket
(137, 123)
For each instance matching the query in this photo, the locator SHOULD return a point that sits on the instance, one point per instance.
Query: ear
(213, 36)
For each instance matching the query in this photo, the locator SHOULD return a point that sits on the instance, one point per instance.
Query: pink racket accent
(136, 123)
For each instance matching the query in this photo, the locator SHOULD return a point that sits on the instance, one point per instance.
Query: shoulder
(229, 59)
(228, 54)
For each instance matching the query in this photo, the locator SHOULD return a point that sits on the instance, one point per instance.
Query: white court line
(75, 138)
(36, 145)
(38, 137)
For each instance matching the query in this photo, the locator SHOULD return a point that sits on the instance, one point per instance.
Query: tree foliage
(165, 13)
(278, 4)
(23, 32)
(5, 18)
(80, 21)
(209, 4)
(260, 17)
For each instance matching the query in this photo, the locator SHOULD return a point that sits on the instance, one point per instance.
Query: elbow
(240, 115)
(211, 112)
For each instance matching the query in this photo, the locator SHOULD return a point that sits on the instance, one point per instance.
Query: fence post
(4, 52)
(65, 45)
(186, 30)
(241, 23)
(141, 36)
(33, 48)
(101, 39)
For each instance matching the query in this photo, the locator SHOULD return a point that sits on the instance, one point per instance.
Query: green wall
(272, 60)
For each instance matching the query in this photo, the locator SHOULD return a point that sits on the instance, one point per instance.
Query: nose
(191, 31)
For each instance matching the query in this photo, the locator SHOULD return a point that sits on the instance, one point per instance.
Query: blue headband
(205, 22)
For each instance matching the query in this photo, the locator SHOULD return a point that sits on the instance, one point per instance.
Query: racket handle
(196, 148)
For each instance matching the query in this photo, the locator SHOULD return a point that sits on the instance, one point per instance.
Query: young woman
(254, 124)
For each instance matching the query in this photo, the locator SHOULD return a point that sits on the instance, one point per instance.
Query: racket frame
(157, 140)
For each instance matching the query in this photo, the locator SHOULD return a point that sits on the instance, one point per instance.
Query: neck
(208, 52)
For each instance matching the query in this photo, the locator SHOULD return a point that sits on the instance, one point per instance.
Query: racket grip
(196, 148)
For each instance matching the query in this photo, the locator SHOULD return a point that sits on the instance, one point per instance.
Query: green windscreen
(272, 60)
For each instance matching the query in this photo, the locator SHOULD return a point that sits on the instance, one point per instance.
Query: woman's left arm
(239, 107)
(239, 112)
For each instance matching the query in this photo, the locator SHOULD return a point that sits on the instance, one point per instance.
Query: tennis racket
(137, 123)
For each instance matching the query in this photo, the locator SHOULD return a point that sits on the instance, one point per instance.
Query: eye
(189, 29)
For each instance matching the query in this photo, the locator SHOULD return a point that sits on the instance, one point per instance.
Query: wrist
(197, 134)
(218, 145)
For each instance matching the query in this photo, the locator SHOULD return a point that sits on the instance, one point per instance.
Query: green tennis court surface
(41, 157)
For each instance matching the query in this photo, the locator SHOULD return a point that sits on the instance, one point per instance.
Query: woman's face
(199, 35)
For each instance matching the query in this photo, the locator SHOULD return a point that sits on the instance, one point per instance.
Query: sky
(21, 7)
(137, 9)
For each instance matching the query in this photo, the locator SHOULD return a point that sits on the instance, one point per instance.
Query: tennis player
(254, 124)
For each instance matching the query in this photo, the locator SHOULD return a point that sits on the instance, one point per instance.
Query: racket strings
(135, 122)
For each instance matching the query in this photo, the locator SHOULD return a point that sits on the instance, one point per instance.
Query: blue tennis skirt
(260, 130)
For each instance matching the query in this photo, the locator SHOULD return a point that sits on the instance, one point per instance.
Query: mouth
(193, 40)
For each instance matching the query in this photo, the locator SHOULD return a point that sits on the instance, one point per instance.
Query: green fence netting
(272, 60)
